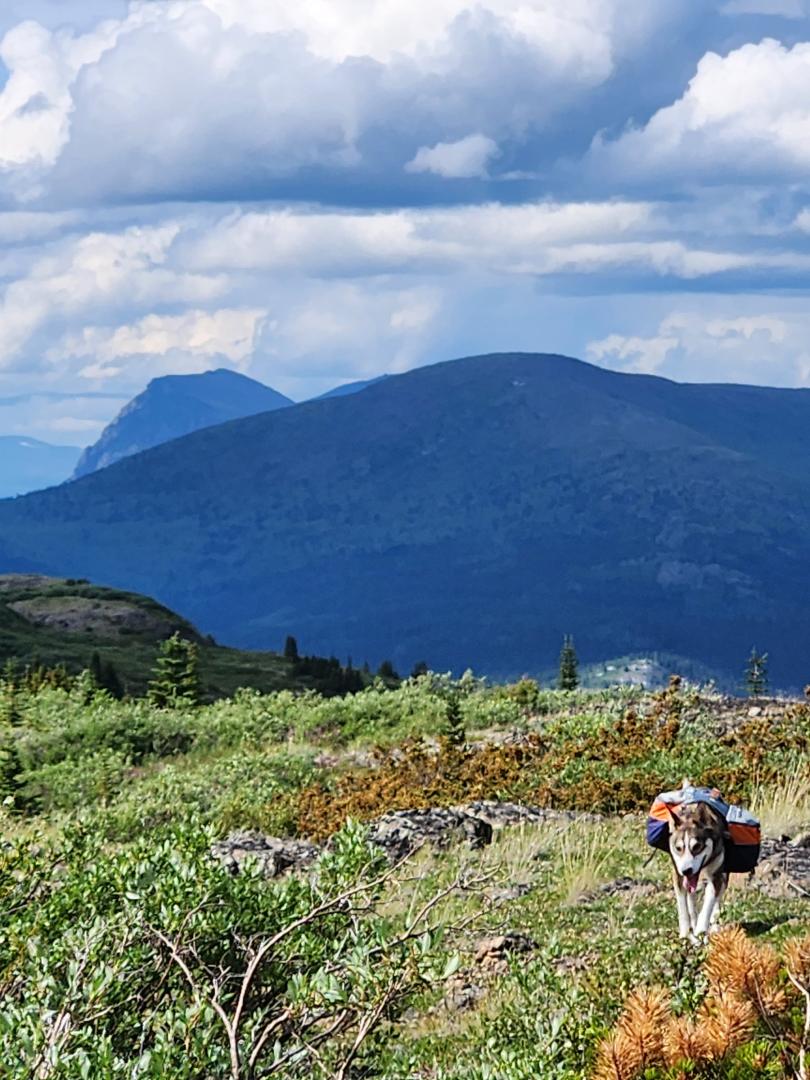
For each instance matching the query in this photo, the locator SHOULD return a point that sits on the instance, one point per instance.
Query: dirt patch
(81, 615)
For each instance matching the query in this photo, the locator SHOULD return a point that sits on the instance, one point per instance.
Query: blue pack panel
(658, 834)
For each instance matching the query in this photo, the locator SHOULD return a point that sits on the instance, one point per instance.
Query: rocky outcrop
(402, 831)
(398, 833)
(630, 888)
(465, 989)
(273, 856)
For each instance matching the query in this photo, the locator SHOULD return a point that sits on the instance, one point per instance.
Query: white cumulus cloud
(466, 157)
(192, 97)
(707, 344)
(227, 333)
(744, 113)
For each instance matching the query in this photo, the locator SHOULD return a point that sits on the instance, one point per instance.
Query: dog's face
(695, 838)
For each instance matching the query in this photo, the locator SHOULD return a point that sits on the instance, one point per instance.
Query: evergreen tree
(569, 665)
(105, 676)
(176, 679)
(454, 722)
(10, 769)
(419, 668)
(388, 674)
(111, 681)
(96, 670)
(756, 674)
(11, 713)
(291, 648)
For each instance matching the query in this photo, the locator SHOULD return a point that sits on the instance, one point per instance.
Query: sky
(318, 192)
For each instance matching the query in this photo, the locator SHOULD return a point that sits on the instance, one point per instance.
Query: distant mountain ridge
(176, 405)
(468, 513)
(350, 388)
(28, 464)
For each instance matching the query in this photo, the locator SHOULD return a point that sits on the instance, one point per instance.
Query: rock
(492, 953)
(783, 870)
(754, 711)
(466, 988)
(569, 965)
(274, 855)
(402, 831)
(509, 892)
(501, 814)
(801, 841)
(398, 833)
(463, 992)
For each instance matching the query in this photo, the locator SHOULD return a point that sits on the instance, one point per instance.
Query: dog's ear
(674, 820)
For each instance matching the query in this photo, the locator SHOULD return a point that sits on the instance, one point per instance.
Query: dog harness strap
(697, 794)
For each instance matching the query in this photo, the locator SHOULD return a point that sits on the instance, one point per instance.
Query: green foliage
(126, 654)
(106, 881)
(388, 673)
(105, 675)
(176, 680)
(117, 969)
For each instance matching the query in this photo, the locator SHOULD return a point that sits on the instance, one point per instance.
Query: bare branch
(805, 1043)
(230, 1031)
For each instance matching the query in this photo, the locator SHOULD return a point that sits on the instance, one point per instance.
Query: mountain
(468, 513)
(28, 464)
(351, 388)
(176, 405)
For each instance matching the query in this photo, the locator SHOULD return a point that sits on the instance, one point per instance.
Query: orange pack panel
(744, 834)
(661, 811)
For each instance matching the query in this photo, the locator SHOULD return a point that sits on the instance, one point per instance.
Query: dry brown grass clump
(747, 987)
(417, 776)
(738, 966)
(637, 1042)
(616, 777)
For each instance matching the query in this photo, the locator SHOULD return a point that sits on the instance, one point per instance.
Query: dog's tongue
(690, 880)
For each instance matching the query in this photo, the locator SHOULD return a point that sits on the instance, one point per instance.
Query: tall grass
(784, 808)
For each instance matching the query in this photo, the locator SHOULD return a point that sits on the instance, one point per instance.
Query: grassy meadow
(126, 950)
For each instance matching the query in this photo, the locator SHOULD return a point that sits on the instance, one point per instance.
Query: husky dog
(697, 844)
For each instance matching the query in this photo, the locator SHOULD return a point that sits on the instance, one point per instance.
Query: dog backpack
(742, 843)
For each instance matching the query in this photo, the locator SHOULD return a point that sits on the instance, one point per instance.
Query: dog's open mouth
(690, 880)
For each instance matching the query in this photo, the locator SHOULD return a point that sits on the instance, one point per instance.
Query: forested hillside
(472, 513)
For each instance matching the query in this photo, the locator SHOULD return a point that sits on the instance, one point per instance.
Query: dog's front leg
(691, 907)
(706, 912)
(721, 884)
(684, 921)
